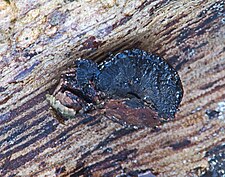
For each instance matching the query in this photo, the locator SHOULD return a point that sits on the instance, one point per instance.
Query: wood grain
(40, 39)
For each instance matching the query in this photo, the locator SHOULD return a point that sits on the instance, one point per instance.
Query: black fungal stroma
(141, 79)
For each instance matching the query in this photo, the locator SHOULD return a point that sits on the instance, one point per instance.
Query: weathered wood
(39, 39)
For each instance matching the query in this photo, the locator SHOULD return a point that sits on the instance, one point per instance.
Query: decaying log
(40, 39)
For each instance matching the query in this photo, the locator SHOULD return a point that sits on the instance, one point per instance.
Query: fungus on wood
(39, 40)
(134, 86)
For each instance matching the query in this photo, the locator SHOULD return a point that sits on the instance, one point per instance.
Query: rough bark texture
(39, 39)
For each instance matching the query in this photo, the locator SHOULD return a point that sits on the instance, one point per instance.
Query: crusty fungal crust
(143, 84)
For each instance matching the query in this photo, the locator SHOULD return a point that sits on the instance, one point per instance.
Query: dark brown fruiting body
(137, 74)
(133, 86)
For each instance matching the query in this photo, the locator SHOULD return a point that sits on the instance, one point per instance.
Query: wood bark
(40, 39)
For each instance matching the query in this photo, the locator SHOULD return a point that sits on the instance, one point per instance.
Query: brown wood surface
(40, 39)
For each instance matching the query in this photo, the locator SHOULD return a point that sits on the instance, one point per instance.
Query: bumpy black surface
(216, 157)
(131, 74)
(86, 71)
(80, 82)
(135, 73)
